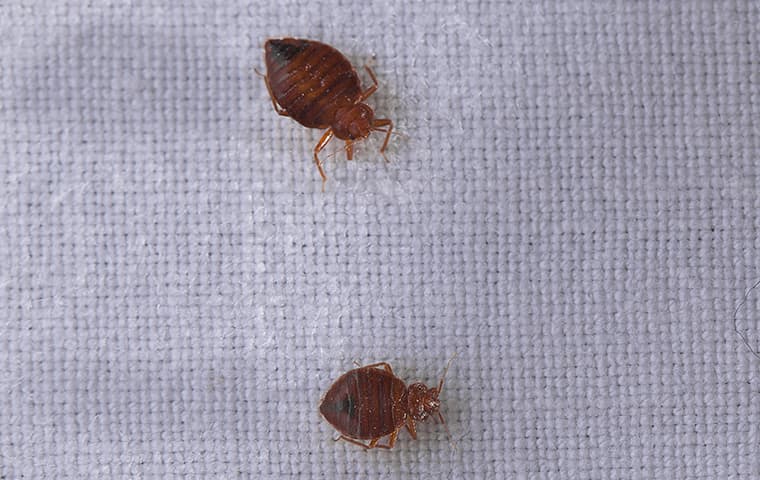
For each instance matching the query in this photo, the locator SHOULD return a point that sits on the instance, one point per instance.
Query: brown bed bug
(370, 402)
(315, 85)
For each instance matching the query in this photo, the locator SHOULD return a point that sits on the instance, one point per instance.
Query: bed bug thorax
(315, 85)
(370, 402)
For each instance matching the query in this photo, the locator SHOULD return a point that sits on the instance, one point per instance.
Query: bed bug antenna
(445, 371)
(440, 415)
(448, 432)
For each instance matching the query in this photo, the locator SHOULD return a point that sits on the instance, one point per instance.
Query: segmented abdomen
(310, 80)
(365, 403)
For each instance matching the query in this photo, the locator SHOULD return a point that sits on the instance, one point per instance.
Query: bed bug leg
(369, 91)
(349, 150)
(351, 440)
(378, 125)
(372, 443)
(280, 111)
(391, 441)
(318, 148)
(410, 426)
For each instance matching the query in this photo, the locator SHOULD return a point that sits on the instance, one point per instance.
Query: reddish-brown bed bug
(370, 402)
(315, 85)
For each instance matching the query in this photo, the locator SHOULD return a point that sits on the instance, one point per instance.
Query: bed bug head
(423, 402)
(354, 122)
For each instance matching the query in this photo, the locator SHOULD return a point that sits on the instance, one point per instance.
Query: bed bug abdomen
(310, 80)
(365, 403)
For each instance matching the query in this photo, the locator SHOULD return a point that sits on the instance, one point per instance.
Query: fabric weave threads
(572, 207)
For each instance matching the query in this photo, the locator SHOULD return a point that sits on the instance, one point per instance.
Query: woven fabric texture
(571, 205)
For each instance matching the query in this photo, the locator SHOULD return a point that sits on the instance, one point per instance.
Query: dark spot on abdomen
(283, 51)
(345, 405)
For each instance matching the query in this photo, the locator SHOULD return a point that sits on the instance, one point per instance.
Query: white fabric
(572, 207)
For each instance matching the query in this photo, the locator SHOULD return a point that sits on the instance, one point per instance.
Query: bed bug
(370, 402)
(315, 85)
